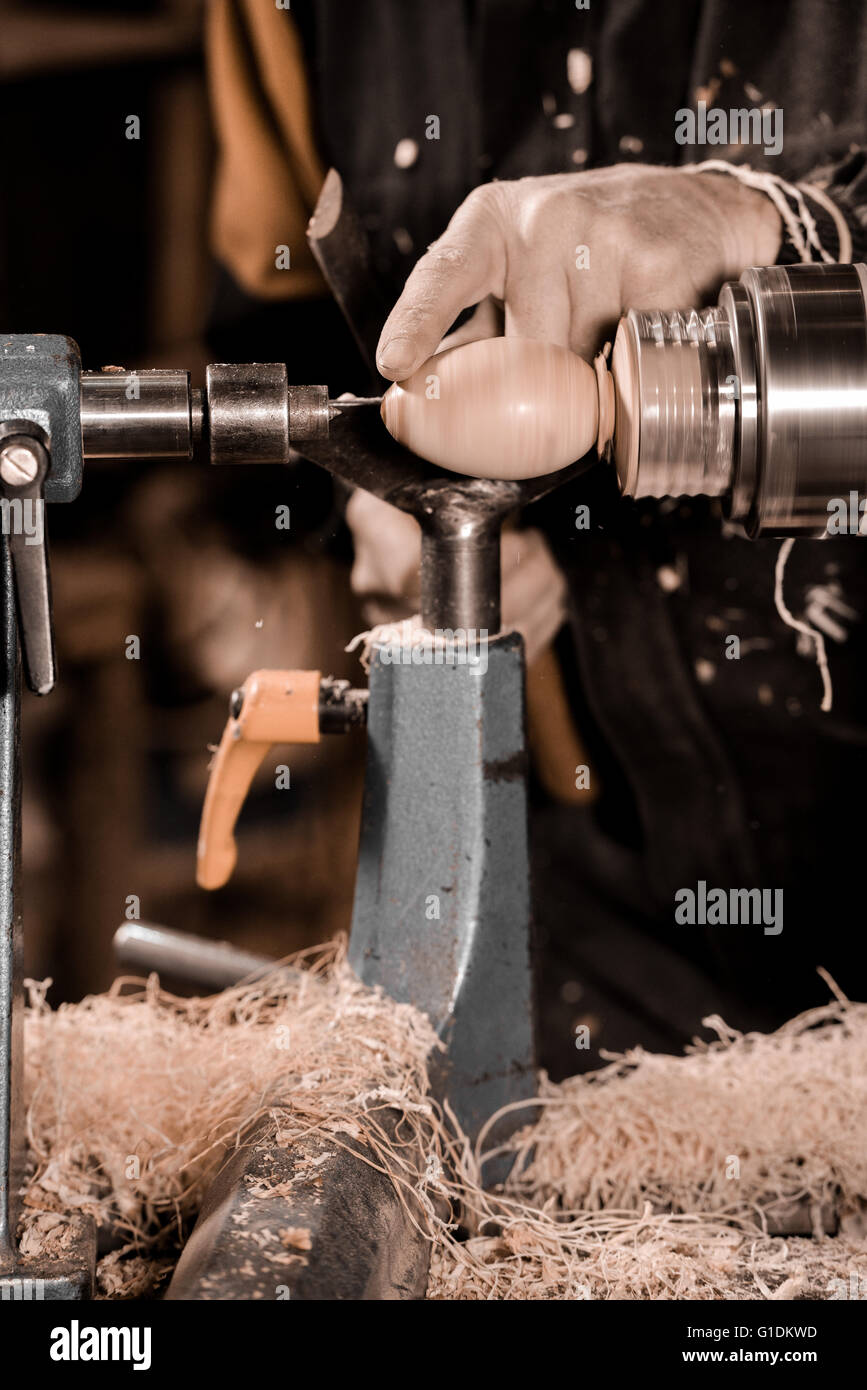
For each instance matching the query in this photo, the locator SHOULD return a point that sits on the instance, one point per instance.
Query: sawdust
(651, 1178)
(296, 1238)
(641, 1260)
(406, 633)
(654, 1177)
(124, 1275)
(46, 1233)
(135, 1097)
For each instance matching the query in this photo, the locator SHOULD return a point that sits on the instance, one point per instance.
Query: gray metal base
(442, 898)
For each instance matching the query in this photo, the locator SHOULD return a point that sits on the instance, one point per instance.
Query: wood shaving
(648, 1179)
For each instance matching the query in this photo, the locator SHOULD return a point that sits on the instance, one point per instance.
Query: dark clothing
(495, 72)
(713, 769)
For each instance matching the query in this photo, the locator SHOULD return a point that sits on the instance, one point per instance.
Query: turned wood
(497, 408)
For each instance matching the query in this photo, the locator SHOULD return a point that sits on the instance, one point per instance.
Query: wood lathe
(761, 401)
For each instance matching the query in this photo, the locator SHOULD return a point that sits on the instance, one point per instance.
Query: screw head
(19, 464)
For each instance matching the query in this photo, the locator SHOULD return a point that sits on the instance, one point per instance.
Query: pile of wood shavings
(135, 1098)
(649, 1258)
(654, 1177)
(648, 1179)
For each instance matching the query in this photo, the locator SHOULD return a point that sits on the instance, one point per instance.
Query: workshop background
(107, 240)
(116, 255)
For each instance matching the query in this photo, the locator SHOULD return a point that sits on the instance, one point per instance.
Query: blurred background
(108, 240)
(105, 239)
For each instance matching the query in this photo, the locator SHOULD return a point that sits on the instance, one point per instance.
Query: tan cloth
(268, 172)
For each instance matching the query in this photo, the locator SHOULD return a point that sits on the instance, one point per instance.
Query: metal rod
(341, 706)
(461, 524)
(248, 413)
(460, 582)
(185, 957)
(136, 414)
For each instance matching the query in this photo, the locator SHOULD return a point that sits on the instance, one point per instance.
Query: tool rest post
(460, 571)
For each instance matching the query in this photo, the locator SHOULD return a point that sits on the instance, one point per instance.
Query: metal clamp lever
(24, 465)
(271, 707)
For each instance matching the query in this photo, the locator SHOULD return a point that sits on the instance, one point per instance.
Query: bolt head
(19, 464)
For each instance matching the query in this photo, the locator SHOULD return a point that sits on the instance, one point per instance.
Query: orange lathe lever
(276, 707)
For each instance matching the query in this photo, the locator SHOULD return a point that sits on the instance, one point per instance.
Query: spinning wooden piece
(498, 408)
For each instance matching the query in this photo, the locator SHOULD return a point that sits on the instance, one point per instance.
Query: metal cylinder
(461, 521)
(810, 336)
(309, 412)
(248, 412)
(761, 400)
(460, 577)
(129, 415)
(178, 955)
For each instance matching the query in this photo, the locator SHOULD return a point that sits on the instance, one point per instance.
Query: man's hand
(386, 572)
(556, 258)
(655, 239)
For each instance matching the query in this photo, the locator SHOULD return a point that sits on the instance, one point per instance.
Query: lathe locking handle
(271, 707)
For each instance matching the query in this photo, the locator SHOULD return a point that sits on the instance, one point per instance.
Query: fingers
(594, 306)
(538, 306)
(592, 328)
(522, 250)
(459, 270)
(485, 322)
(563, 254)
(559, 289)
